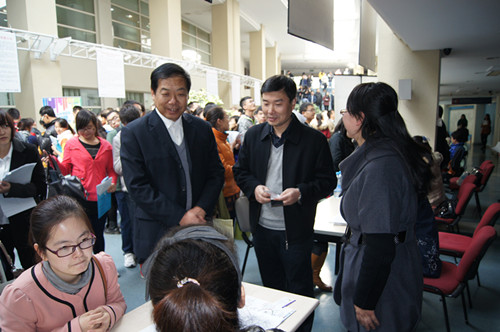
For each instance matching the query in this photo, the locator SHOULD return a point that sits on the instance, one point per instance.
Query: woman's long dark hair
(210, 306)
(214, 114)
(379, 104)
(64, 124)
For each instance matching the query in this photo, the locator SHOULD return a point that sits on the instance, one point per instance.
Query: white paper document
(104, 186)
(14, 205)
(232, 136)
(265, 314)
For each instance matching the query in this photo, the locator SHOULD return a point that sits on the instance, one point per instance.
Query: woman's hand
(366, 318)
(112, 188)
(4, 187)
(97, 320)
(54, 149)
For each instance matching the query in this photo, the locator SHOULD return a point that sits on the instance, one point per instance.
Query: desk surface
(140, 317)
(328, 219)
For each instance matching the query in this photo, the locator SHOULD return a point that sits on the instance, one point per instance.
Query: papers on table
(13, 205)
(103, 197)
(265, 314)
(258, 312)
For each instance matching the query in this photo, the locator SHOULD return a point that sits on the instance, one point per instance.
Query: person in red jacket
(90, 158)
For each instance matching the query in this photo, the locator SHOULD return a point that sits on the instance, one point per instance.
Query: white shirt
(4, 169)
(174, 128)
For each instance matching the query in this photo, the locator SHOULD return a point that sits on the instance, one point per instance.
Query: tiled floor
(484, 316)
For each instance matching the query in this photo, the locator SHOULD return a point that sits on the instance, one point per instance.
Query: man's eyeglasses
(342, 112)
(68, 250)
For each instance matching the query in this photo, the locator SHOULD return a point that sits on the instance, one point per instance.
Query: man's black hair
(135, 102)
(168, 70)
(279, 83)
(47, 110)
(129, 113)
(304, 106)
(242, 100)
(14, 113)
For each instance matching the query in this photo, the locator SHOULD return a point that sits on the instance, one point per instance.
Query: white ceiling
(470, 28)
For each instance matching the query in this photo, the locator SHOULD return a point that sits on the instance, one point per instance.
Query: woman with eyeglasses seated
(194, 282)
(70, 289)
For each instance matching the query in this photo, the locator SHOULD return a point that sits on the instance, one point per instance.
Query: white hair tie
(186, 280)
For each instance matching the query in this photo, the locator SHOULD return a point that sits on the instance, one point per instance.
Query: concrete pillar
(258, 54)
(280, 70)
(395, 62)
(104, 25)
(40, 78)
(496, 130)
(272, 63)
(166, 28)
(226, 44)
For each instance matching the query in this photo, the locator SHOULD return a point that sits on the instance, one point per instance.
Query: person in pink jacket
(70, 289)
(90, 158)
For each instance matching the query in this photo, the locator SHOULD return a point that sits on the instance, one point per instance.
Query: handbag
(68, 185)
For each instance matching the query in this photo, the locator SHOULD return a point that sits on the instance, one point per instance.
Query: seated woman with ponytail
(194, 282)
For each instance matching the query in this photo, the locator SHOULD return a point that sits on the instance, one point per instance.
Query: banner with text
(110, 74)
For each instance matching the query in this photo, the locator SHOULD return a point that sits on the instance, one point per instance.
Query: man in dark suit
(170, 162)
(284, 168)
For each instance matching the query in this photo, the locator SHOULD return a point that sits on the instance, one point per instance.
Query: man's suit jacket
(307, 165)
(155, 179)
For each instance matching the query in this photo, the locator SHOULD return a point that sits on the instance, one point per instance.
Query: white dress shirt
(174, 128)
(4, 169)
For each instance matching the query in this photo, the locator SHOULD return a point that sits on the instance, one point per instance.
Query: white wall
(397, 61)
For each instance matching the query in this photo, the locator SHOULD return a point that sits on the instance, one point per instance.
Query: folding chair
(242, 209)
(464, 196)
(452, 244)
(455, 278)
(486, 169)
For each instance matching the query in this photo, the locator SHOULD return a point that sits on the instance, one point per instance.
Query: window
(131, 25)
(130, 95)
(7, 100)
(76, 19)
(90, 97)
(3, 14)
(197, 40)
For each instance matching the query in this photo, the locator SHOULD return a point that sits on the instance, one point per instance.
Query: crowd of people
(171, 167)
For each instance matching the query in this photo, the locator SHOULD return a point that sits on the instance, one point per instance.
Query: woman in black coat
(14, 154)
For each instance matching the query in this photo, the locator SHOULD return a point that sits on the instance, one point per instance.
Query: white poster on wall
(9, 66)
(256, 93)
(212, 83)
(235, 90)
(343, 88)
(110, 74)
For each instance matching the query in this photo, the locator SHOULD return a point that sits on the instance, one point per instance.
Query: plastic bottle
(338, 189)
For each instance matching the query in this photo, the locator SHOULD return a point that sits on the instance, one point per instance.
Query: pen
(286, 305)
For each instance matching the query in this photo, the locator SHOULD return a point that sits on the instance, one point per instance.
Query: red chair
(455, 278)
(452, 244)
(453, 181)
(486, 171)
(464, 196)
